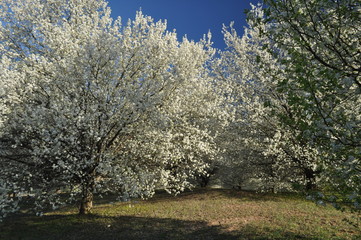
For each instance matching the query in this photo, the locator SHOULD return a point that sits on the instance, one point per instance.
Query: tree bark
(86, 203)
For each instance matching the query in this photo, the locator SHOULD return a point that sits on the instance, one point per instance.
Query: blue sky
(189, 17)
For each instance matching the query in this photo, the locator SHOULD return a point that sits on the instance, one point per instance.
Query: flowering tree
(96, 107)
(267, 139)
(323, 82)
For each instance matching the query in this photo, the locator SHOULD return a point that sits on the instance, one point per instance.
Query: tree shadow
(94, 227)
(91, 227)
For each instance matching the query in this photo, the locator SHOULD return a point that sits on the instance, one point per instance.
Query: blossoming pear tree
(323, 82)
(95, 107)
(266, 141)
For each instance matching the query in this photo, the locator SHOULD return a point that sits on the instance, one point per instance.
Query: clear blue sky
(189, 17)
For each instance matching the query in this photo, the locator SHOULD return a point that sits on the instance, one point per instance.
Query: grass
(202, 214)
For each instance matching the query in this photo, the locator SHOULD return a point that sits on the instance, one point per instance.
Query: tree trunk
(310, 179)
(86, 203)
(204, 180)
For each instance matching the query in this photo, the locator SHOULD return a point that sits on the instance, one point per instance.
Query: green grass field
(201, 214)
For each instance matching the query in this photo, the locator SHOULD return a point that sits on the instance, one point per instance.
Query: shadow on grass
(100, 227)
(91, 227)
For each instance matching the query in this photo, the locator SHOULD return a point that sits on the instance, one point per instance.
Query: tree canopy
(91, 106)
(96, 107)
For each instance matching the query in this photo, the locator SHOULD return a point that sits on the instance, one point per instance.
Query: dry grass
(202, 214)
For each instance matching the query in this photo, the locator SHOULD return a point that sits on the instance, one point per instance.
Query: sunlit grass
(202, 214)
